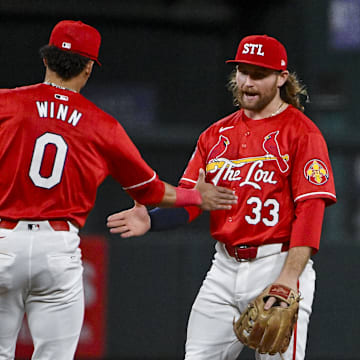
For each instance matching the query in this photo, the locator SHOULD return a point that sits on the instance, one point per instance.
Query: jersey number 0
(37, 159)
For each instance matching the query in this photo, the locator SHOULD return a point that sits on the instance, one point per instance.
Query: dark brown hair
(65, 63)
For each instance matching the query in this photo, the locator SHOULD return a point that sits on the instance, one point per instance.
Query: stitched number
(57, 166)
(274, 212)
(256, 211)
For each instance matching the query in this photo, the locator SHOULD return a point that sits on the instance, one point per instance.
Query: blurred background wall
(163, 77)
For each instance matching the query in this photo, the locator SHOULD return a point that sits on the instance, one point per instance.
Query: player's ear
(44, 62)
(89, 67)
(283, 76)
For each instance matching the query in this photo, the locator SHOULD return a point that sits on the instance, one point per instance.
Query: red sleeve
(312, 175)
(306, 228)
(196, 162)
(148, 194)
(128, 167)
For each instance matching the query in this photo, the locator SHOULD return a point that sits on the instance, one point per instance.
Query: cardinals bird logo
(271, 146)
(219, 148)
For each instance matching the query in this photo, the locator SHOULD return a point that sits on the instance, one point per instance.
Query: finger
(127, 234)
(201, 177)
(224, 202)
(114, 217)
(225, 190)
(119, 229)
(116, 223)
(284, 304)
(227, 194)
(223, 207)
(269, 303)
(228, 197)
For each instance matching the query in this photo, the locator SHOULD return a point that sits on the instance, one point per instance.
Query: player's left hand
(287, 282)
(271, 301)
(269, 331)
(132, 222)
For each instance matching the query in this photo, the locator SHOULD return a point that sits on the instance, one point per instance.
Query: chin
(250, 106)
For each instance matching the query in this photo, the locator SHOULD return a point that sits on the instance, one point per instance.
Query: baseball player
(276, 160)
(56, 147)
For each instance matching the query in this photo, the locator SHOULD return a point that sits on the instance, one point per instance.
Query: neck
(75, 84)
(275, 107)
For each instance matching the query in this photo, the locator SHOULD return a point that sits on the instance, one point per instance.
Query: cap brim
(253, 63)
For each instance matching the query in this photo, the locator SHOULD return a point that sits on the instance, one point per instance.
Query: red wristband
(187, 197)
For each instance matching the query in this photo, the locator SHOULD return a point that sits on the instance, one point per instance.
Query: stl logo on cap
(261, 50)
(250, 48)
(316, 172)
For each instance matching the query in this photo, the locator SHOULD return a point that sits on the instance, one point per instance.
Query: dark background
(163, 77)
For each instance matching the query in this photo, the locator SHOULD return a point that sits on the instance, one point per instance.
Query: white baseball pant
(226, 291)
(41, 275)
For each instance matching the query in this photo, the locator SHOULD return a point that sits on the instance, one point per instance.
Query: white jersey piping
(190, 180)
(315, 193)
(140, 184)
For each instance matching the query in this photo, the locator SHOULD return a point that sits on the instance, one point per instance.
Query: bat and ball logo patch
(316, 172)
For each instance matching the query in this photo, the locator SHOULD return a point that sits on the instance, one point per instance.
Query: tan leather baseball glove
(269, 331)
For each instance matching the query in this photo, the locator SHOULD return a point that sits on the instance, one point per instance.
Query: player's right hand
(132, 222)
(214, 197)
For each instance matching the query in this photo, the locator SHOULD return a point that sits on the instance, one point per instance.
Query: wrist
(167, 219)
(187, 197)
(289, 281)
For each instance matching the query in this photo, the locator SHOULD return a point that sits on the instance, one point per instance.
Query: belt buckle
(236, 254)
(33, 227)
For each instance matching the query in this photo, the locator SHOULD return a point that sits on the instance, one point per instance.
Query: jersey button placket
(246, 134)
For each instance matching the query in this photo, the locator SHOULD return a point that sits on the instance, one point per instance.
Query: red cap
(77, 37)
(261, 50)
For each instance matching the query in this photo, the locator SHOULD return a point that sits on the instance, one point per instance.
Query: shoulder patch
(316, 172)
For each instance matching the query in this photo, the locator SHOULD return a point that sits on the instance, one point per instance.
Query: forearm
(306, 228)
(295, 263)
(160, 193)
(179, 197)
(205, 195)
(169, 197)
(304, 240)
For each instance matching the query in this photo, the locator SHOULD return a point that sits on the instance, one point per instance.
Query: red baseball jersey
(56, 147)
(272, 164)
